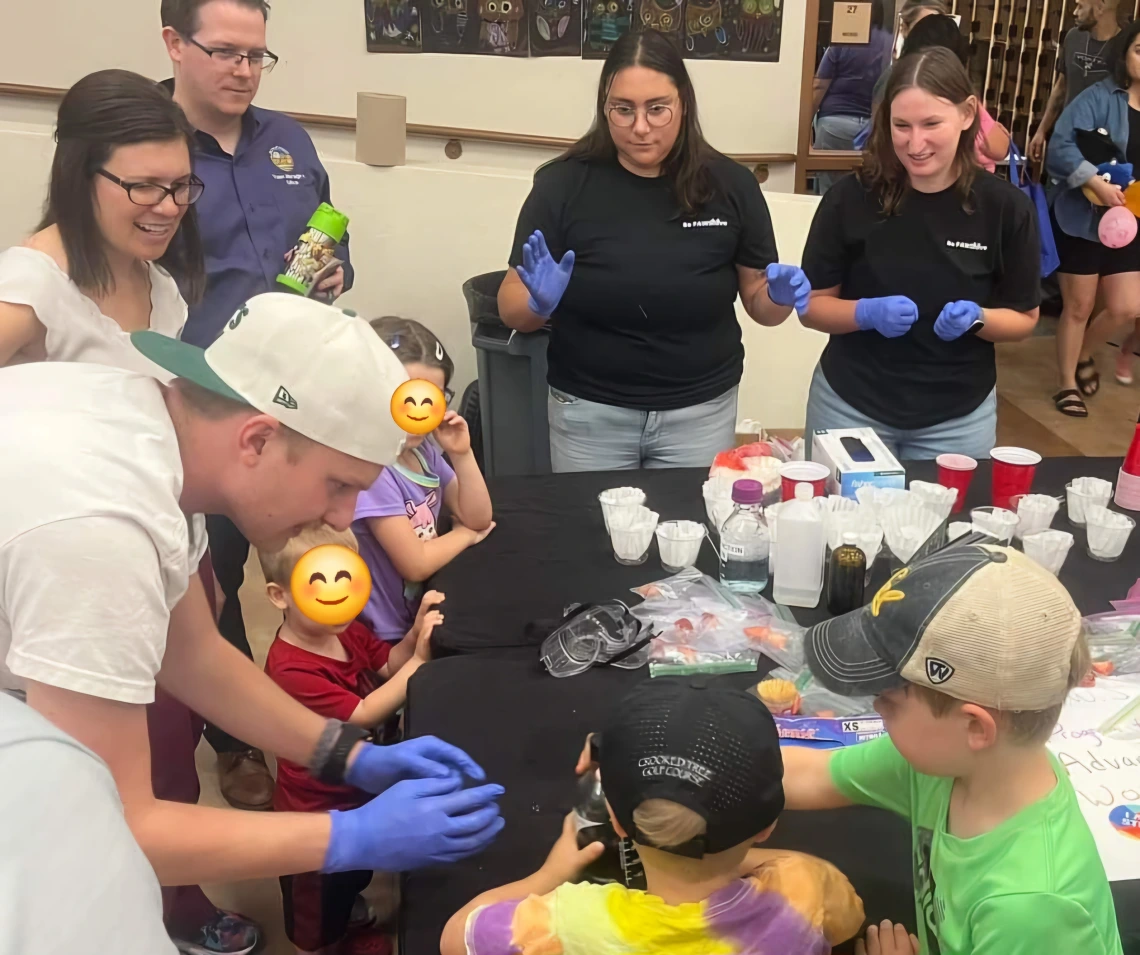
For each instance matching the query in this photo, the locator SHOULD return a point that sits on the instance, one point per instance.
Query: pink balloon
(1117, 227)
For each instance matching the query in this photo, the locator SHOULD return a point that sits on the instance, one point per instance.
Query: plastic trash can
(512, 384)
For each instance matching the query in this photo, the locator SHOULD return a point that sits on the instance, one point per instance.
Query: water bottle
(800, 549)
(744, 541)
(620, 862)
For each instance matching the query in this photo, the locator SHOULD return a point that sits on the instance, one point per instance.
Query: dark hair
(182, 15)
(934, 31)
(1120, 59)
(911, 9)
(102, 111)
(687, 162)
(413, 342)
(940, 73)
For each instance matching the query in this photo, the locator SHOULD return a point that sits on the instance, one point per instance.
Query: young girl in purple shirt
(397, 518)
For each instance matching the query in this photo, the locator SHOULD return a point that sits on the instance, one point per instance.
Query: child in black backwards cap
(694, 776)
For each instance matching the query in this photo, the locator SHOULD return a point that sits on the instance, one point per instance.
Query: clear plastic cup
(631, 533)
(1035, 513)
(998, 522)
(617, 497)
(679, 543)
(1048, 548)
(1108, 532)
(1082, 492)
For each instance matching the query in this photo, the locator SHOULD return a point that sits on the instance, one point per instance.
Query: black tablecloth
(491, 697)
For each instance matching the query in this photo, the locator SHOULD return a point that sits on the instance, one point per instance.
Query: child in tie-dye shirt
(693, 775)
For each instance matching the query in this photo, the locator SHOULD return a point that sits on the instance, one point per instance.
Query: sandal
(1124, 361)
(1089, 385)
(1069, 402)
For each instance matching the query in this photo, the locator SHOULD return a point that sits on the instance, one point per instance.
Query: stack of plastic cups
(1128, 484)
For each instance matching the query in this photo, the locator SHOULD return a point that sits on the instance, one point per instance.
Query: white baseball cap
(316, 368)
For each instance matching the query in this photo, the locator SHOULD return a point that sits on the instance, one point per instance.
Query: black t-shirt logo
(926, 889)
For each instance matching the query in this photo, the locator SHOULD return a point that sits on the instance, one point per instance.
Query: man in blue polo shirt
(263, 180)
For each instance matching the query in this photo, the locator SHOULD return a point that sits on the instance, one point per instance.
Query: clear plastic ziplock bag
(1114, 642)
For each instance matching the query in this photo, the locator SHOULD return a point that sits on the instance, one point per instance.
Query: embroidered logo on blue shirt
(281, 158)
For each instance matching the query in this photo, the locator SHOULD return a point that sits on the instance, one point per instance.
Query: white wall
(420, 230)
(746, 107)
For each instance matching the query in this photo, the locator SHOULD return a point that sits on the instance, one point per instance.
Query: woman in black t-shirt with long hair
(919, 263)
(634, 246)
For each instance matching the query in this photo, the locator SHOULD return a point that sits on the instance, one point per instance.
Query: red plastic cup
(1014, 469)
(956, 471)
(803, 472)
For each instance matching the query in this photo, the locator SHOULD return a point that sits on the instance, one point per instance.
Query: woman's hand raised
(545, 279)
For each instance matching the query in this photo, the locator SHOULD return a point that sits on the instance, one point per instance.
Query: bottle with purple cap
(744, 541)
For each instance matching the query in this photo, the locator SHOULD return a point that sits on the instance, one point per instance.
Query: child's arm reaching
(402, 652)
(807, 779)
(381, 703)
(466, 497)
(564, 864)
(416, 559)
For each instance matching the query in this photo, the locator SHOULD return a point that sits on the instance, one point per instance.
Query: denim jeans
(835, 132)
(587, 436)
(974, 434)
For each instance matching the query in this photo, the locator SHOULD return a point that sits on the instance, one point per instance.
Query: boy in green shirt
(970, 655)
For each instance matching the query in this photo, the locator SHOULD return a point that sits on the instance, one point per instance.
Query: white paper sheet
(1105, 772)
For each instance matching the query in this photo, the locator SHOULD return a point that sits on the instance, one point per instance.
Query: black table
(488, 694)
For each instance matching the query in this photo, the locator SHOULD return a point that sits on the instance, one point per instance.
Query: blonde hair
(666, 823)
(1025, 727)
(277, 566)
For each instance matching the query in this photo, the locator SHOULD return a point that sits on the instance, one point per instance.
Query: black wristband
(330, 758)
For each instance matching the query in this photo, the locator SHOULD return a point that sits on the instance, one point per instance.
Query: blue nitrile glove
(545, 279)
(378, 767)
(418, 822)
(787, 285)
(956, 319)
(891, 317)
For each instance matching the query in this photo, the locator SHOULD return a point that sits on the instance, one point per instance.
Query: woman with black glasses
(634, 246)
(118, 237)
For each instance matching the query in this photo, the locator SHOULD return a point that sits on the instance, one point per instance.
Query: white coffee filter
(1048, 548)
(907, 527)
(631, 531)
(1082, 492)
(617, 497)
(679, 542)
(1108, 532)
(934, 497)
(1035, 513)
(998, 522)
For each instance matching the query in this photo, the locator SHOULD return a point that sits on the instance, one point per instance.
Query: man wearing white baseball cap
(104, 476)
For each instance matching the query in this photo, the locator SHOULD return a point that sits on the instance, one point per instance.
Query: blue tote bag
(1036, 192)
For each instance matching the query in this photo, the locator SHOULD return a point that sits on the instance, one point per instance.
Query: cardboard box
(856, 458)
(381, 129)
(851, 23)
(823, 732)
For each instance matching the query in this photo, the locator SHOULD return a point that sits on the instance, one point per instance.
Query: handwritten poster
(1105, 771)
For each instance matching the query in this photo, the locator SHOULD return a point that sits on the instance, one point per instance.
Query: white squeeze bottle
(800, 549)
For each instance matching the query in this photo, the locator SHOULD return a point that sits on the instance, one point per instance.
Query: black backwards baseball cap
(713, 751)
(980, 623)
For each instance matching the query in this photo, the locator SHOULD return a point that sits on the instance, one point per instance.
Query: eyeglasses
(657, 115)
(449, 396)
(184, 193)
(260, 61)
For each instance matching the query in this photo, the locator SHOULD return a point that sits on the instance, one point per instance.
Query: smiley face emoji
(418, 406)
(330, 584)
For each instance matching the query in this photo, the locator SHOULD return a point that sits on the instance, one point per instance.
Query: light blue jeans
(835, 132)
(974, 434)
(587, 436)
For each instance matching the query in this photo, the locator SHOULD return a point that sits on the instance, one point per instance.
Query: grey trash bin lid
(482, 295)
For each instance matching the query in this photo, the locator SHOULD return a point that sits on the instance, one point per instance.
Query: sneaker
(245, 780)
(363, 915)
(227, 933)
(367, 942)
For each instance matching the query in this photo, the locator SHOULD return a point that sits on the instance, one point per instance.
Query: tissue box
(856, 458)
(823, 732)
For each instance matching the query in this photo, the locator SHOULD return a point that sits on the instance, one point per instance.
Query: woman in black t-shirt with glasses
(634, 245)
(920, 262)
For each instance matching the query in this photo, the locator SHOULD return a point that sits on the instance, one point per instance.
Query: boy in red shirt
(344, 673)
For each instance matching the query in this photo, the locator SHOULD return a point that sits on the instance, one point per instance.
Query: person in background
(919, 263)
(841, 90)
(634, 246)
(1004, 863)
(263, 180)
(1090, 48)
(343, 673)
(397, 517)
(118, 236)
(910, 12)
(1112, 104)
(695, 828)
(933, 30)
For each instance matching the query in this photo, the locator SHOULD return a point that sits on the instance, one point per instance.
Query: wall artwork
(392, 26)
(556, 27)
(705, 29)
(503, 28)
(604, 22)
